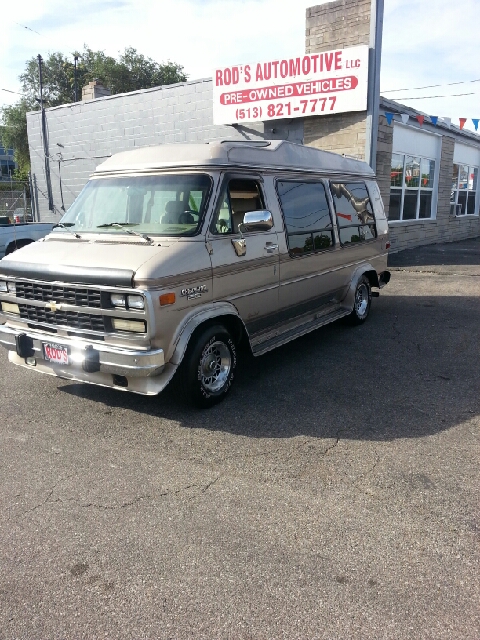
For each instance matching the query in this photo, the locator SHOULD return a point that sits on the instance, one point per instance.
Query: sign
(312, 84)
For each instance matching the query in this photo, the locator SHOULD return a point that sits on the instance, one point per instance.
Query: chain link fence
(15, 203)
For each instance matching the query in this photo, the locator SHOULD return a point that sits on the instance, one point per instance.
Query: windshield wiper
(67, 227)
(124, 226)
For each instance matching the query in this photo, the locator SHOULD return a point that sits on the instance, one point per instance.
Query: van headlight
(135, 302)
(125, 301)
(3, 286)
(121, 324)
(118, 299)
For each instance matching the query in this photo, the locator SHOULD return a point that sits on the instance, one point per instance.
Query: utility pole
(375, 57)
(75, 58)
(44, 136)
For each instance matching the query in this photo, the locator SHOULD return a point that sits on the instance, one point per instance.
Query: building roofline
(398, 107)
(163, 87)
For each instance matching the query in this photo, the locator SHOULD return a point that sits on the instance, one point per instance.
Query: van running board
(296, 332)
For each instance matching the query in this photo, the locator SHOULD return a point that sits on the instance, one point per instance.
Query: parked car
(173, 256)
(20, 216)
(13, 236)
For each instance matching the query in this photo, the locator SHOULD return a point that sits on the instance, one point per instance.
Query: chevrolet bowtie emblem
(53, 306)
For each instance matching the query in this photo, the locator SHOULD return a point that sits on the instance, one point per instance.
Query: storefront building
(427, 173)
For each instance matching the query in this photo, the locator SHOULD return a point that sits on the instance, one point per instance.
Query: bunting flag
(389, 117)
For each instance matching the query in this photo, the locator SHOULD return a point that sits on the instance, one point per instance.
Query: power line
(430, 86)
(10, 91)
(453, 95)
(24, 27)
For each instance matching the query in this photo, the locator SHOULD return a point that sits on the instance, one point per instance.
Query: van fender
(213, 311)
(363, 270)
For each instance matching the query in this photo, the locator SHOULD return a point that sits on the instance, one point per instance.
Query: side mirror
(256, 221)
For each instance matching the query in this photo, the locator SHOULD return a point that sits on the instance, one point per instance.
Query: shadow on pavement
(463, 253)
(410, 371)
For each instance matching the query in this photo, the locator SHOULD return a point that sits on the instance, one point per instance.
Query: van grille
(71, 319)
(58, 293)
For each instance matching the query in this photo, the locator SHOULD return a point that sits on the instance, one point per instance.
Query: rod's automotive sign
(312, 84)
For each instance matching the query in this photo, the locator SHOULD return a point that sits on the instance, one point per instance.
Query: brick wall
(336, 25)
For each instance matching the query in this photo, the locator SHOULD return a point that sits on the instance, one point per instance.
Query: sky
(425, 42)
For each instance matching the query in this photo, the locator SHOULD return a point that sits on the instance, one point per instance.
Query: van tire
(211, 351)
(17, 244)
(362, 302)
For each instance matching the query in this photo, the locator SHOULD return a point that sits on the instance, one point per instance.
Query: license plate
(55, 353)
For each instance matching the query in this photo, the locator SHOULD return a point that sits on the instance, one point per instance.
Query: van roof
(259, 154)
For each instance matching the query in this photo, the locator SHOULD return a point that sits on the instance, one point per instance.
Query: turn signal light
(167, 298)
(387, 245)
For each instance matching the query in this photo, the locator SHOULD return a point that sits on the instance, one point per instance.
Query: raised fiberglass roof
(263, 154)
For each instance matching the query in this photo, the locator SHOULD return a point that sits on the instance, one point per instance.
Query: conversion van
(172, 256)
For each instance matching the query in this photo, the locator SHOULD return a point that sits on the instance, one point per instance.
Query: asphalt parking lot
(334, 495)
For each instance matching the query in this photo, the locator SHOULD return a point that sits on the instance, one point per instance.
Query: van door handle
(270, 247)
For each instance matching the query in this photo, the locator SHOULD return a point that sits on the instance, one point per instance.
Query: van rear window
(307, 216)
(354, 212)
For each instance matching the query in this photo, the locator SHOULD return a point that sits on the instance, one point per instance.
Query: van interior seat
(240, 206)
(173, 211)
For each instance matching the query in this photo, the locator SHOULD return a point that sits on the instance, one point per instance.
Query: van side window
(355, 219)
(307, 216)
(239, 196)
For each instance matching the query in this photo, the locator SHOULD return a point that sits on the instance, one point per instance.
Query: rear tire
(209, 366)
(362, 302)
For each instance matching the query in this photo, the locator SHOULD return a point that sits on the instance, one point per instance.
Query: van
(174, 256)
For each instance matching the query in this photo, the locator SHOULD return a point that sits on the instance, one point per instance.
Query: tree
(13, 133)
(132, 71)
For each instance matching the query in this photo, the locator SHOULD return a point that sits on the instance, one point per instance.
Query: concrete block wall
(337, 25)
(82, 135)
(384, 160)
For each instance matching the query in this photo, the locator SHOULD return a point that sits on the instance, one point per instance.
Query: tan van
(172, 256)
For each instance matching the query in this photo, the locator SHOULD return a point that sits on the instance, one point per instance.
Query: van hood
(83, 262)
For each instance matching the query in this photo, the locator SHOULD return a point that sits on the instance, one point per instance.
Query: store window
(355, 219)
(411, 187)
(464, 190)
(307, 216)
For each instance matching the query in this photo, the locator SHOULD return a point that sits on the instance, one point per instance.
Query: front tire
(362, 302)
(209, 366)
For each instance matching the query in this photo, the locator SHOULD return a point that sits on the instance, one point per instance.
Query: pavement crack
(332, 446)
(210, 484)
(358, 482)
(112, 507)
(49, 495)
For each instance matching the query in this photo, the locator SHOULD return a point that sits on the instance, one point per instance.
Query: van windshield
(166, 205)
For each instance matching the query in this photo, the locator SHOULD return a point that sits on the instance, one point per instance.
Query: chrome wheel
(362, 300)
(215, 366)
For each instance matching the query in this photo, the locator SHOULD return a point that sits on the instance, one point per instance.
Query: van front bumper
(98, 363)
